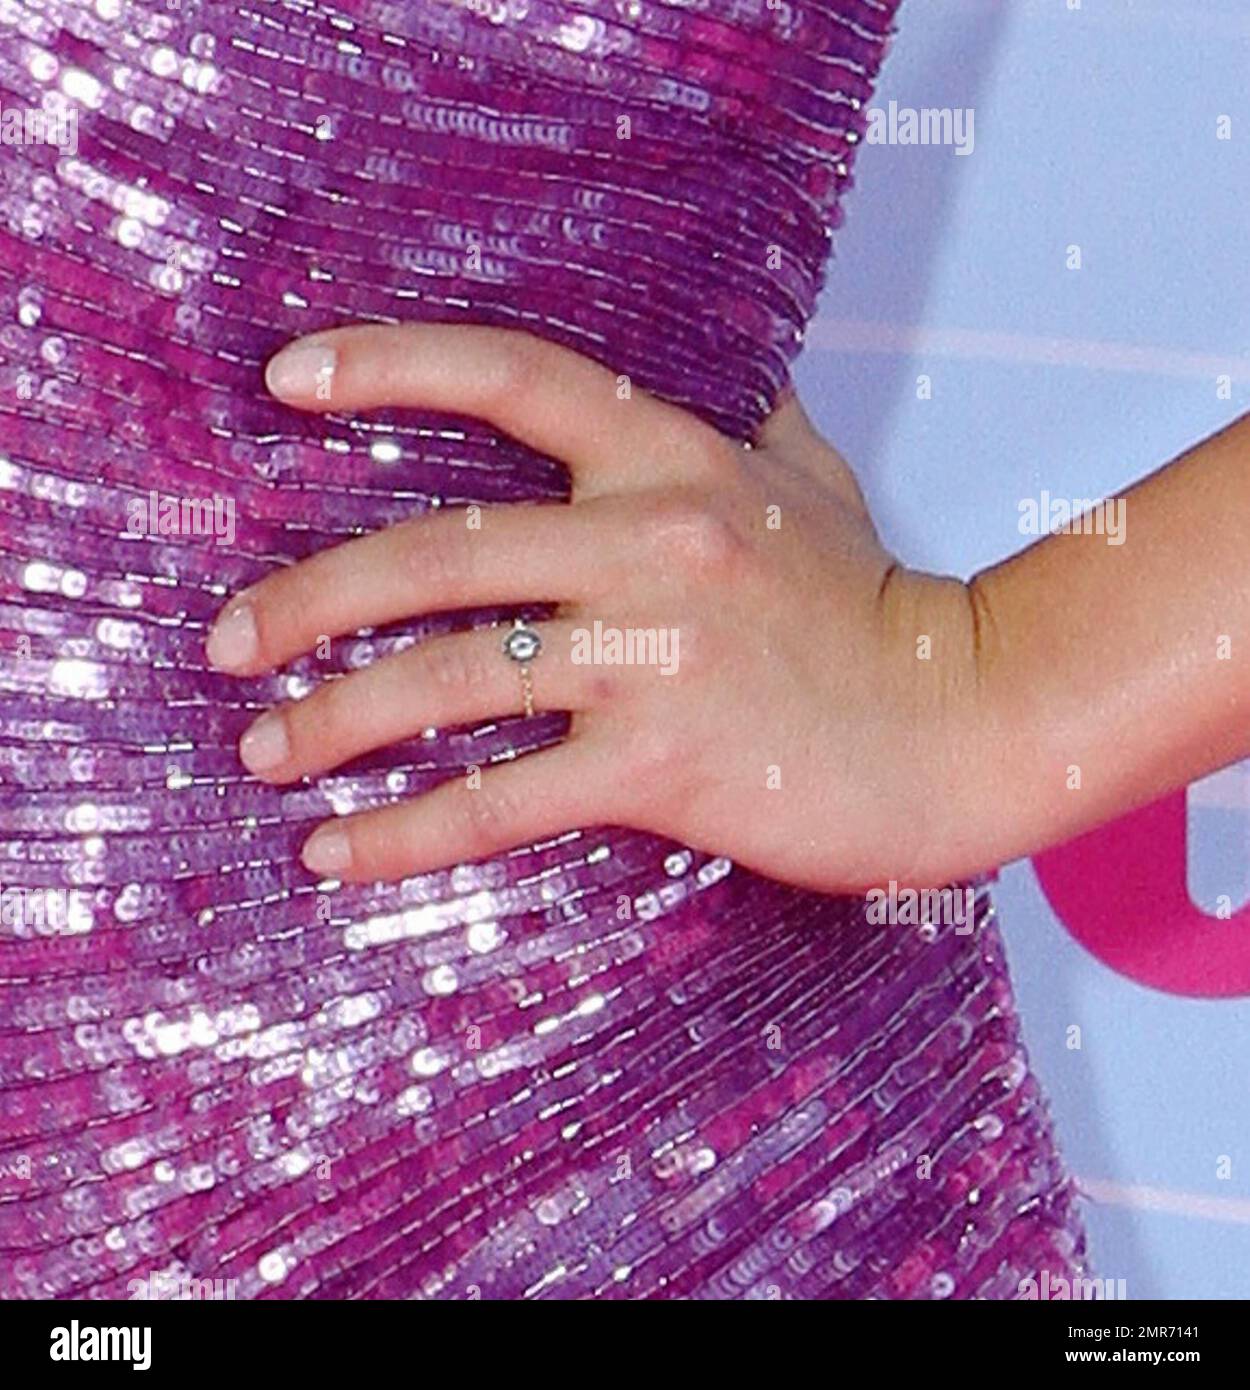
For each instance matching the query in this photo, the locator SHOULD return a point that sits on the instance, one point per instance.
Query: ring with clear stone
(522, 645)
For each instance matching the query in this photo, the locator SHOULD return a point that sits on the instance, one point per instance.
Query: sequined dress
(604, 1066)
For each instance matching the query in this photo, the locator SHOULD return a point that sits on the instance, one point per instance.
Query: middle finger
(552, 553)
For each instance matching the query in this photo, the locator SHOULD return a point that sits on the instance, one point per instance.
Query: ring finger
(446, 680)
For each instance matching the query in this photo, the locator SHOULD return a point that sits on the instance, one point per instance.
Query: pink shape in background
(1121, 891)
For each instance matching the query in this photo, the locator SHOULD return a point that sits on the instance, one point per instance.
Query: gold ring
(522, 645)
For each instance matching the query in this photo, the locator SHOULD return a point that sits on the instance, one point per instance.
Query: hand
(809, 706)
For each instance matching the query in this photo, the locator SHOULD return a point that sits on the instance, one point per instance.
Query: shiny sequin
(605, 1065)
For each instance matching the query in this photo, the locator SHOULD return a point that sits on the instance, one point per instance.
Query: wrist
(953, 726)
(1003, 811)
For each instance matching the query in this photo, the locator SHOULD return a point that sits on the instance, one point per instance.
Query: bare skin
(836, 719)
(1127, 663)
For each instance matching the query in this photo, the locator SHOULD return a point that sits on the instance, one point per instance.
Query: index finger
(611, 435)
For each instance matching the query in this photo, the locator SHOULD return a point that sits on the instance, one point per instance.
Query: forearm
(1109, 675)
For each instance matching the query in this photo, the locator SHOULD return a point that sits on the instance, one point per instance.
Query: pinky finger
(534, 798)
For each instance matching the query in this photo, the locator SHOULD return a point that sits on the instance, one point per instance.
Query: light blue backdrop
(1095, 125)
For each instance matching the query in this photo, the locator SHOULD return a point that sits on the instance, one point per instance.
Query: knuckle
(447, 664)
(605, 687)
(655, 759)
(518, 368)
(689, 534)
(304, 582)
(485, 815)
(291, 604)
(320, 728)
(442, 558)
(326, 713)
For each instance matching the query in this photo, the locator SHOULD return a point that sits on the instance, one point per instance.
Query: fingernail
(265, 744)
(301, 370)
(233, 641)
(327, 852)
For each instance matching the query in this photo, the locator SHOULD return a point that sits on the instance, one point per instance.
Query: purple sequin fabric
(602, 1066)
